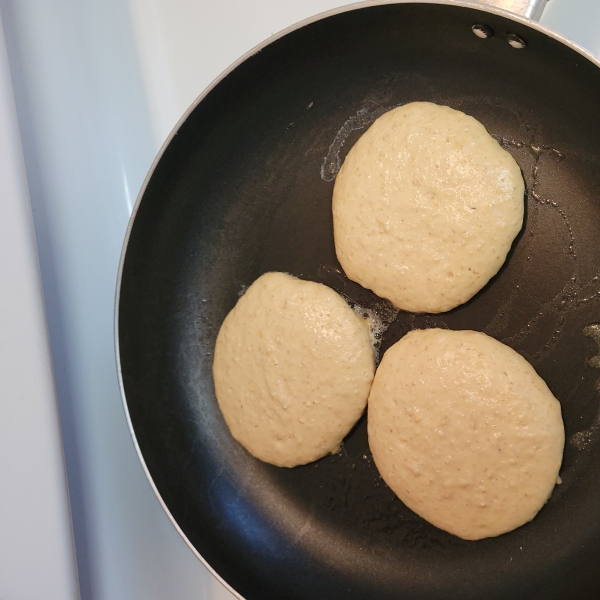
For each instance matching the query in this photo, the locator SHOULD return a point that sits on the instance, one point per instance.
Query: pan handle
(532, 9)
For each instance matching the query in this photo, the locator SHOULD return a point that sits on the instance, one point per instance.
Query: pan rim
(472, 4)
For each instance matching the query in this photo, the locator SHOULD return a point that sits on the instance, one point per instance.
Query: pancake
(293, 367)
(426, 207)
(464, 431)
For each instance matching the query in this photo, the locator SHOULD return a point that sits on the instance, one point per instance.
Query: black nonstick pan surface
(244, 187)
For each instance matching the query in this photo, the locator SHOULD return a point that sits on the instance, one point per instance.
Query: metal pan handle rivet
(482, 31)
(515, 41)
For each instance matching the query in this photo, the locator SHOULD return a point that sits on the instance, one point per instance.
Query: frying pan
(244, 185)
